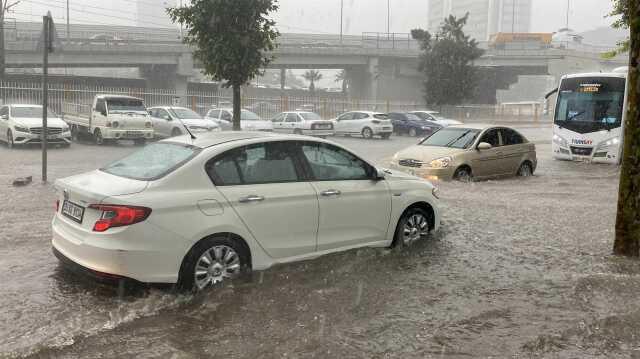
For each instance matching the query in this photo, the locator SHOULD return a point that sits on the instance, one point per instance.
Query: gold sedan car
(465, 152)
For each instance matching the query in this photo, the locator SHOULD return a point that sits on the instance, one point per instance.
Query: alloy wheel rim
(414, 228)
(464, 176)
(215, 265)
(367, 133)
(525, 171)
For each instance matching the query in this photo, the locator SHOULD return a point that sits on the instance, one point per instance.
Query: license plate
(52, 137)
(324, 127)
(73, 211)
(133, 134)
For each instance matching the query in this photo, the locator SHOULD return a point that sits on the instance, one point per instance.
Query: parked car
(171, 121)
(364, 123)
(110, 118)
(412, 125)
(466, 152)
(434, 116)
(154, 217)
(23, 124)
(302, 123)
(263, 109)
(249, 121)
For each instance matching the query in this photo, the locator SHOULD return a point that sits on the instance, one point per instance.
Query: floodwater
(521, 268)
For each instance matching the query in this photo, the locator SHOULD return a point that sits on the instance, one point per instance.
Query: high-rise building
(153, 13)
(486, 17)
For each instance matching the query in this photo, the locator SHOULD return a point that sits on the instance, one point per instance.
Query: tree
(5, 7)
(343, 78)
(447, 62)
(621, 12)
(232, 39)
(627, 241)
(312, 76)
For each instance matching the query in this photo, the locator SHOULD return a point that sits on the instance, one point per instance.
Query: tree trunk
(628, 220)
(2, 52)
(237, 107)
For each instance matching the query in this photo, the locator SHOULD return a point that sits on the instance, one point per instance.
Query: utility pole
(341, 18)
(568, 9)
(46, 27)
(68, 25)
(513, 18)
(388, 17)
(5, 6)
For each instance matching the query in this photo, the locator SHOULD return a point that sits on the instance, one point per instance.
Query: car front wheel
(463, 174)
(412, 226)
(525, 170)
(212, 261)
(10, 143)
(367, 133)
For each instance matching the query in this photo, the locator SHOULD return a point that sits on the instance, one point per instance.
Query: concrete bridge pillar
(171, 77)
(363, 80)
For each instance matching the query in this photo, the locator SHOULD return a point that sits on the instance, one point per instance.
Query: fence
(75, 97)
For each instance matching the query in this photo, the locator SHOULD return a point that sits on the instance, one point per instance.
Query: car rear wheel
(385, 136)
(212, 261)
(367, 133)
(463, 174)
(413, 132)
(412, 226)
(525, 170)
(10, 143)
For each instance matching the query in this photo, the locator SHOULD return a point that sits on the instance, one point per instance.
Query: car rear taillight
(118, 216)
(375, 121)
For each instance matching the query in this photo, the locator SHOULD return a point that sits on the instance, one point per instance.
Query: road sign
(49, 38)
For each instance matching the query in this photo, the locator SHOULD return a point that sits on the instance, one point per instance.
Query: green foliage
(231, 38)
(447, 62)
(621, 13)
(312, 76)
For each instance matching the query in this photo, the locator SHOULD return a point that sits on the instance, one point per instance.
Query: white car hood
(37, 122)
(256, 125)
(198, 122)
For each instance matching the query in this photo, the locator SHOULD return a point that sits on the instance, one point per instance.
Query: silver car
(171, 121)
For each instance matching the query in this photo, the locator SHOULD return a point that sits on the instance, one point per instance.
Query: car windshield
(123, 104)
(310, 116)
(31, 112)
(246, 115)
(452, 137)
(184, 113)
(153, 161)
(590, 104)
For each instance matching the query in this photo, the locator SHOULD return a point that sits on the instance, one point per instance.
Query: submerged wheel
(97, 136)
(463, 174)
(525, 170)
(140, 142)
(10, 143)
(212, 261)
(385, 136)
(412, 226)
(367, 133)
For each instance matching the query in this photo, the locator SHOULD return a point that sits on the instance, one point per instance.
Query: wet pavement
(521, 268)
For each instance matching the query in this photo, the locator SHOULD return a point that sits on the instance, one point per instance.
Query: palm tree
(312, 76)
(342, 77)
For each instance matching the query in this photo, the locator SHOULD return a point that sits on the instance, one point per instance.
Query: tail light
(118, 216)
(375, 122)
(57, 205)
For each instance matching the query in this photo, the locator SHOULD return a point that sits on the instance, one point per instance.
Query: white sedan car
(23, 124)
(171, 121)
(302, 123)
(198, 212)
(249, 121)
(364, 123)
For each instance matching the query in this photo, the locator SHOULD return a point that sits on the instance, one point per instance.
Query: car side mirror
(103, 112)
(379, 175)
(4, 117)
(168, 118)
(483, 146)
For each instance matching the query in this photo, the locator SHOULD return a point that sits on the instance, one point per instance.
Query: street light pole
(568, 9)
(513, 18)
(388, 17)
(341, 18)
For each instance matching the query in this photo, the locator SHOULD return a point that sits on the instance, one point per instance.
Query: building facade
(153, 13)
(486, 17)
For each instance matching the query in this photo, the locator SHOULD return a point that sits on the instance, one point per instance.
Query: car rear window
(153, 161)
(381, 116)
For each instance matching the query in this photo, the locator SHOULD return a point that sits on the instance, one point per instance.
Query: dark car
(408, 123)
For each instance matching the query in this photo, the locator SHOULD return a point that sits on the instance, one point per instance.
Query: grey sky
(323, 16)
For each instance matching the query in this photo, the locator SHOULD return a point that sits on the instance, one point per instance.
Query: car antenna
(186, 128)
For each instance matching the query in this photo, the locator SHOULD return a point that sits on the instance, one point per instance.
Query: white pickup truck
(110, 118)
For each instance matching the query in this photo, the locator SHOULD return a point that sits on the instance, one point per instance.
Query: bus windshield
(590, 104)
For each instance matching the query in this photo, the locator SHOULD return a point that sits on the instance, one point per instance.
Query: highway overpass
(380, 66)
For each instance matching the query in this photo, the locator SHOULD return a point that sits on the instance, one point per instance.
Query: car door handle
(251, 198)
(330, 192)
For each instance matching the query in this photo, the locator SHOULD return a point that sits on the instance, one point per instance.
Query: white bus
(589, 116)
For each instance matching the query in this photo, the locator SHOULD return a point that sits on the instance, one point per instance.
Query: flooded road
(521, 268)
